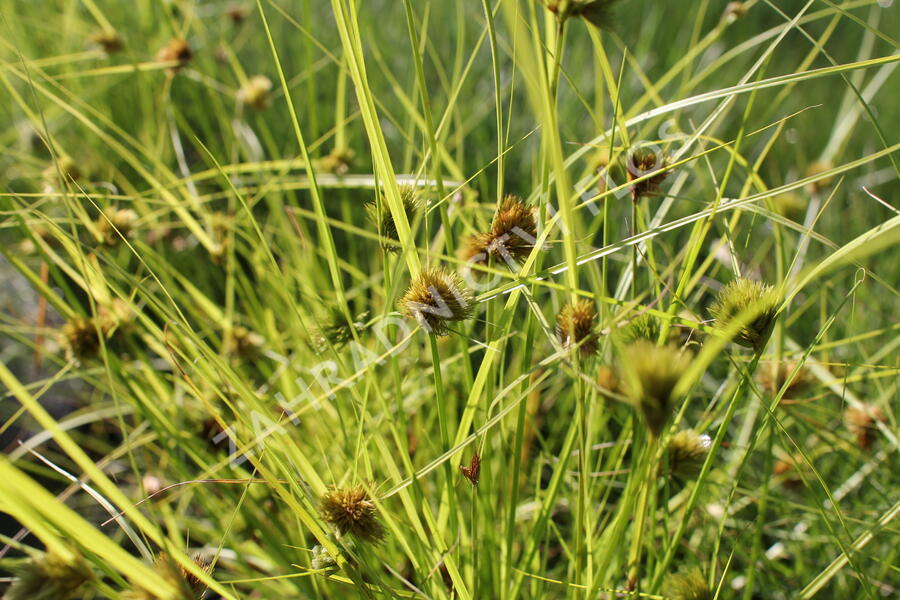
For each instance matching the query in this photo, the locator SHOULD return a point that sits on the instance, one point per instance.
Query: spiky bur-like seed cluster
(384, 220)
(511, 238)
(47, 576)
(109, 40)
(687, 451)
(177, 50)
(575, 326)
(352, 511)
(255, 92)
(338, 162)
(649, 374)
(862, 421)
(773, 375)
(643, 162)
(336, 331)
(643, 327)
(596, 12)
(116, 223)
(746, 296)
(435, 298)
(188, 585)
(690, 585)
(81, 338)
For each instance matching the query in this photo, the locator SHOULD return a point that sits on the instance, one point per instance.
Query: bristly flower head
(176, 50)
(81, 338)
(751, 297)
(255, 92)
(649, 374)
(690, 585)
(773, 375)
(862, 421)
(575, 326)
(47, 576)
(387, 228)
(116, 223)
(338, 162)
(436, 297)
(353, 512)
(642, 162)
(109, 40)
(596, 12)
(512, 236)
(188, 585)
(335, 329)
(244, 343)
(643, 327)
(687, 452)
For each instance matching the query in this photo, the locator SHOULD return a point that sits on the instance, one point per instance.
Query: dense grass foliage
(449, 299)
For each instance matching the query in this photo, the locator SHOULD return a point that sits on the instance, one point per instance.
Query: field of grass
(474, 299)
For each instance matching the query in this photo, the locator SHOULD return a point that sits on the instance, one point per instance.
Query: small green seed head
(575, 327)
(116, 223)
(742, 298)
(687, 452)
(436, 297)
(255, 92)
(387, 228)
(643, 327)
(338, 162)
(649, 374)
(690, 585)
(47, 576)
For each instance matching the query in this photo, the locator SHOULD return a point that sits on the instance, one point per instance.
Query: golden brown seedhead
(511, 238)
(596, 12)
(352, 511)
(109, 40)
(176, 50)
(66, 166)
(384, 220)
(338, 162)
(744, 298)
(607, 379)
(649, 375)
(81, 338)
(187, 585)
(641, 163)
(46, 576)
(774, 375)
(862, 421)
(435, 298)
(255, 92)
(575, 327)
(116, 223)
(236, 13)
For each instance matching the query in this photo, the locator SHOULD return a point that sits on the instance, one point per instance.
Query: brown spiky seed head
(436, 297)
(607, 379)
(687, 452)
(742, 298)
(387, 227)
(66, 166)
(511, 238)
(255, 92)
(236, 13)
(47, 576)
(773, 375)
(338, 162)
(649, 374)
(862, 421)
(177, 50)
(187, 585)
(81, 338)
(473, 471)
(596, 12)
(690, 585)
(109, 40)
(642, 162)
(575, 326)
(116, 223)
(352, 511)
